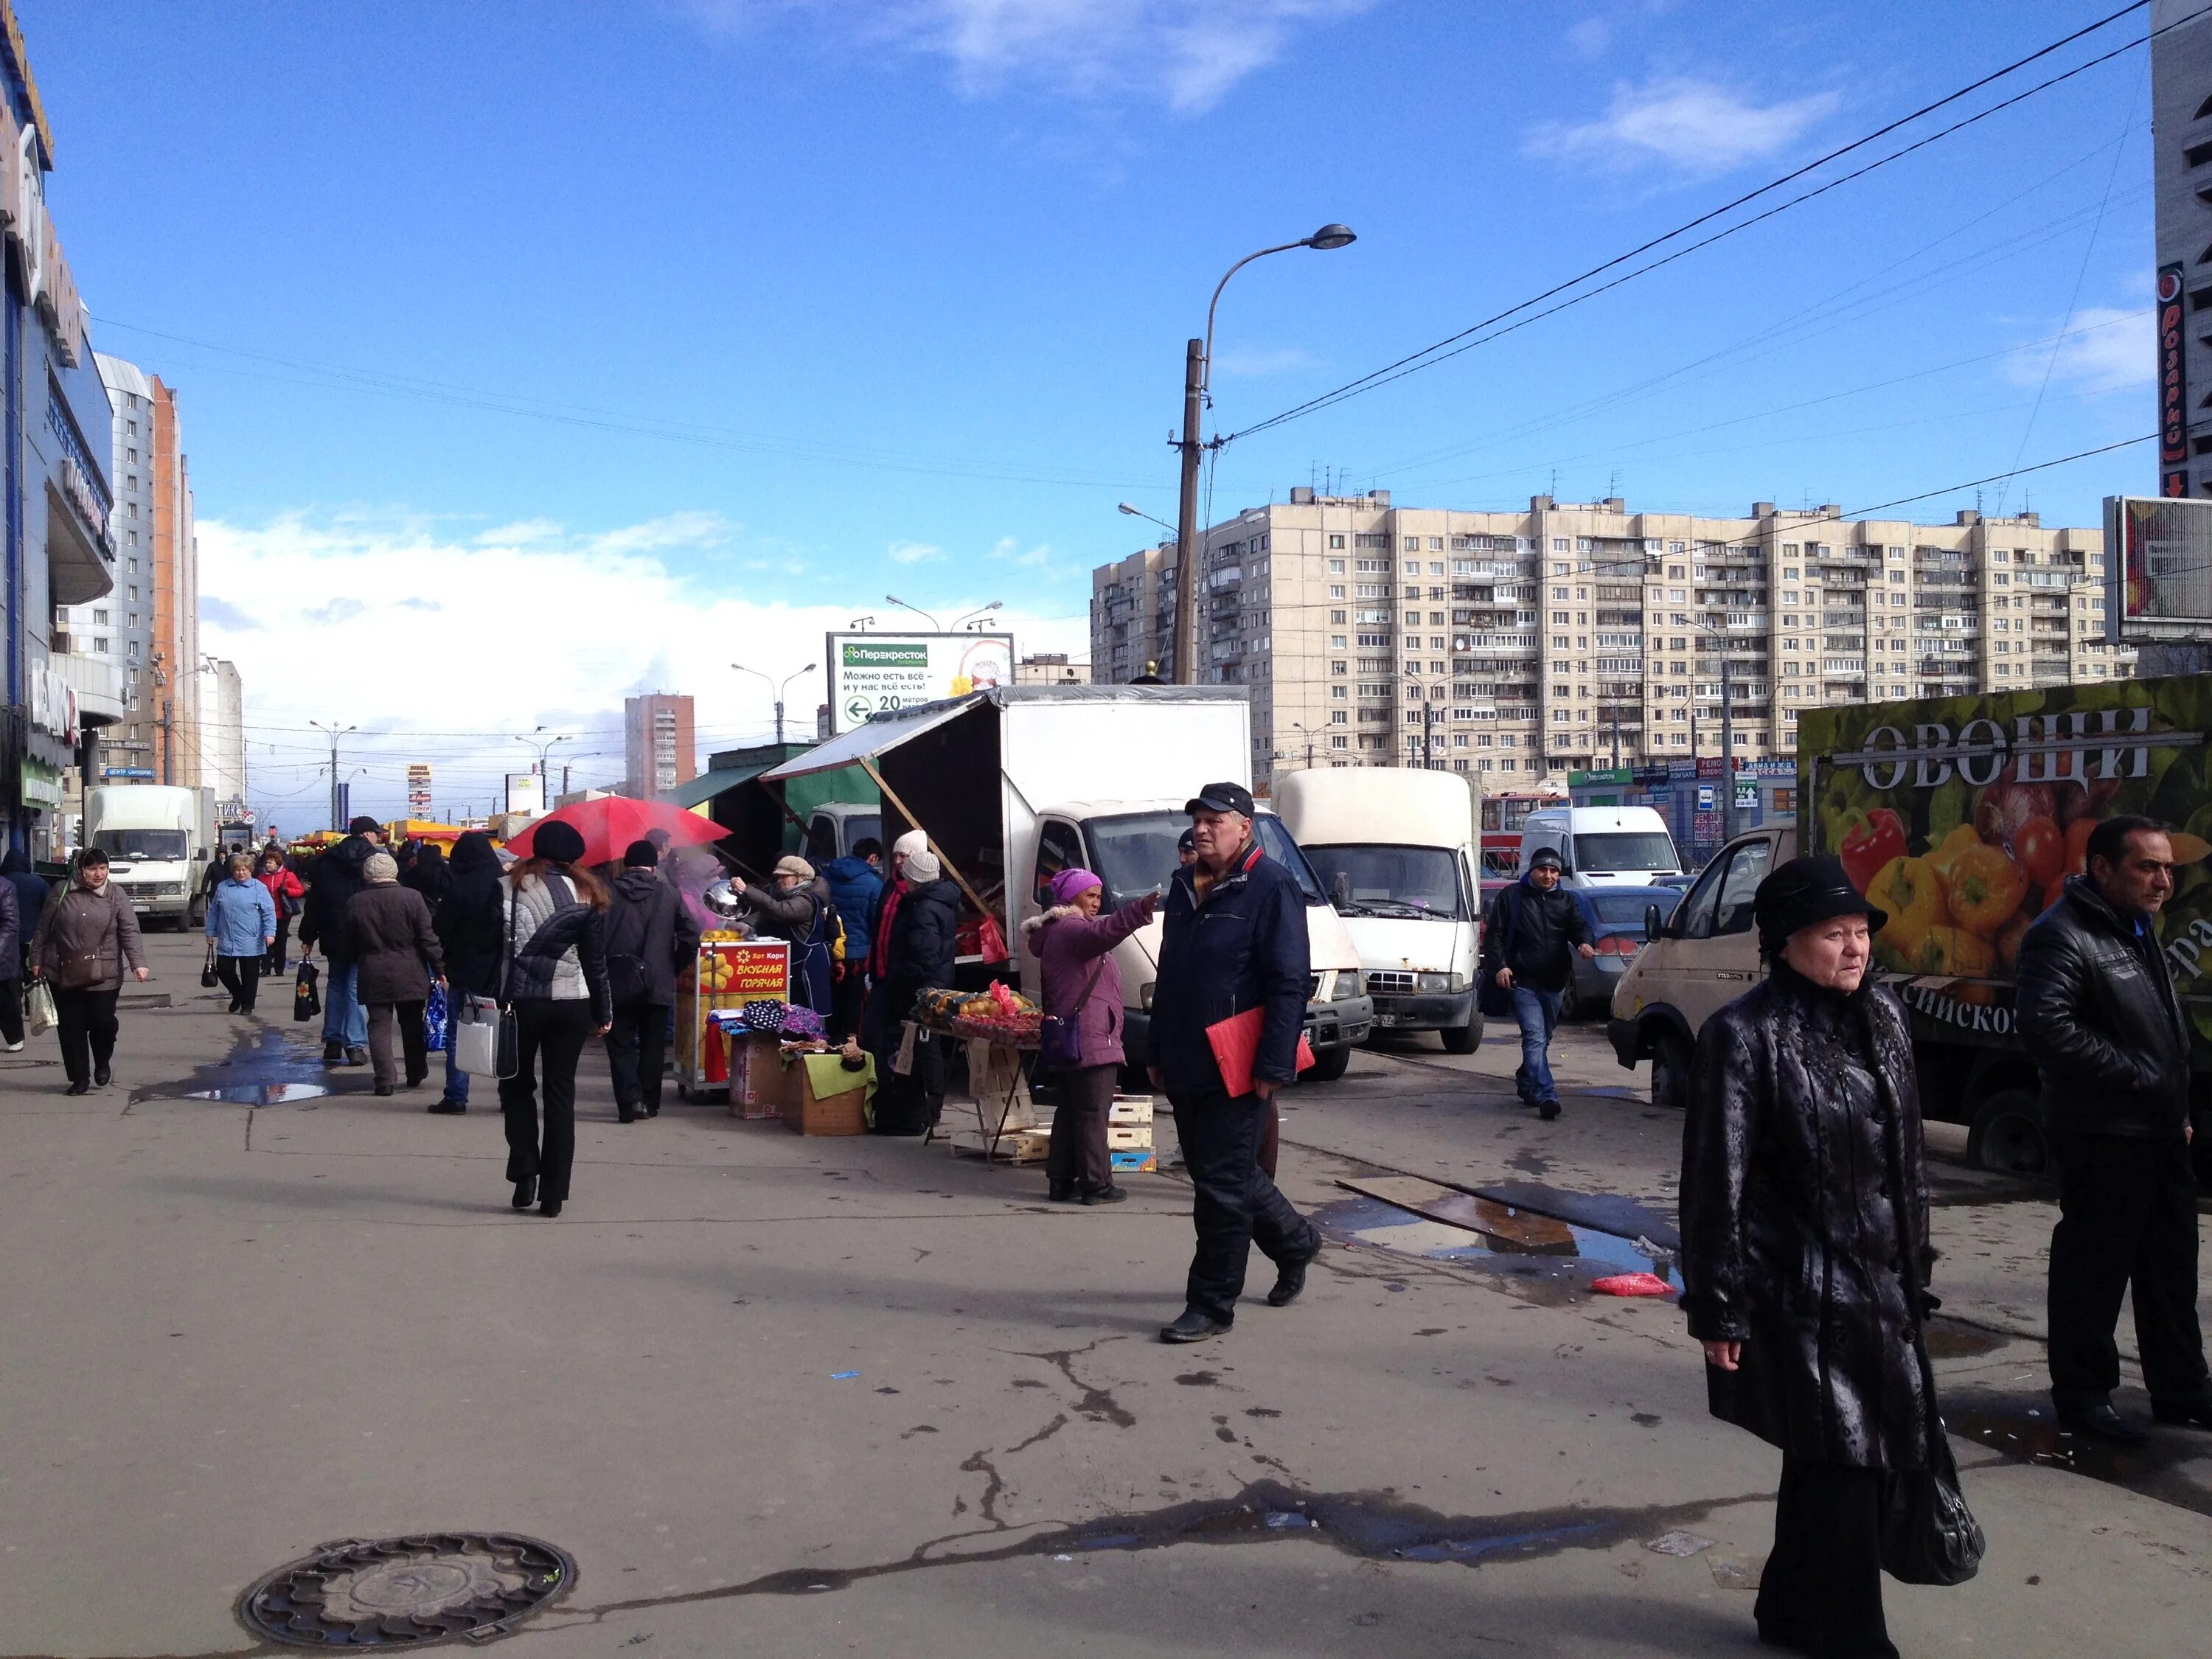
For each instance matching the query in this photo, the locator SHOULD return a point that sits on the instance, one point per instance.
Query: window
(1336, 566)
(99, 619)
(1336, 541)
(1340, 743)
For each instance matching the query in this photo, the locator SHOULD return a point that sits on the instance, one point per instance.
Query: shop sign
(53, 704)
(874, 674)
(126, 771)
(2173, 385)
(418, 788)
(42, 784)
(77, 486)
(751, 970)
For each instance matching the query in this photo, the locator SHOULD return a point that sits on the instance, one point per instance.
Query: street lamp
(1138, 513)
(544, 749)
(995, 605)
(1197, 370)
(778, 690)
(861, 624)
(934, 625)
(334, 732)
(1722, 632)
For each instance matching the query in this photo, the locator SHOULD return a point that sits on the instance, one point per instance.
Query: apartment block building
(658, 750)
(1525, 645)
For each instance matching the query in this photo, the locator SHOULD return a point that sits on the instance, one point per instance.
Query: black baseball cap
(1543, 856)
(1186, 841)
(1221, 798)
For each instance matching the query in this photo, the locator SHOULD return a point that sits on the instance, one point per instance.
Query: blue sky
(534, 352)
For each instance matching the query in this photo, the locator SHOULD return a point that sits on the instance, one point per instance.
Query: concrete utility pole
(1197, 365)
(338, 786)
(1728, 748)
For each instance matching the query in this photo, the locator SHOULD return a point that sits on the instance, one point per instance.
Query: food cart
(729, 972)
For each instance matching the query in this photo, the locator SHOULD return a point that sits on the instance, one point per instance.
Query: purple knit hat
(1069, 883)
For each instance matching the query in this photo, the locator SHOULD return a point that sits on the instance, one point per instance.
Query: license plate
(142, 909)
(1386, 1019)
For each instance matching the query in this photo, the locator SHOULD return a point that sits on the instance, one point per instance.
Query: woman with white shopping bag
(87, 940)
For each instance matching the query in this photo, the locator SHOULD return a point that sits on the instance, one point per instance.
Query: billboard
(418, 790)
(2158, 566)
(879, 674)
(526, 794)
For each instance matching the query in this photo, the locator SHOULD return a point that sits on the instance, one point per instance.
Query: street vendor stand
(998, 1118)
(728, 973)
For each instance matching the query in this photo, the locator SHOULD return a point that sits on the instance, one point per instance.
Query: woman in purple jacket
(1074, 948)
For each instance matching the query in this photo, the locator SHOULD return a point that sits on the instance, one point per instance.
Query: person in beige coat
(87, 940)
(395, 952)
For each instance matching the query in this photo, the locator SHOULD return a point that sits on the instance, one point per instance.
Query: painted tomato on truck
(1961, 818)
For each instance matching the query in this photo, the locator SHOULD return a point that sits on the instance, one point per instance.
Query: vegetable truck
(1960, 818)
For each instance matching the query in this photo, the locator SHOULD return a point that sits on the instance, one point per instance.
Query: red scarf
(879, 947)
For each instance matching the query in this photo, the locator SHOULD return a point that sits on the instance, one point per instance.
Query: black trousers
(284, 938)
(1077, 1157)
(846, 997)
(407, 1016)
(549, 1036)
(1822, 1591)
(2127, 1220)
(638, 1042)
(241, 977)
(87, 1030)
(11, 1010)
(1234, 1203)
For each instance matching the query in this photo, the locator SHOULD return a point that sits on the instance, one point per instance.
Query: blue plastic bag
(434, 1020)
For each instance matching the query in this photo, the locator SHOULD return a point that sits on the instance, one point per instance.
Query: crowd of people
(1806, 1254)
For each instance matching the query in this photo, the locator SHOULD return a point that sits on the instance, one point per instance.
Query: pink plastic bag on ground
(1631, 1285)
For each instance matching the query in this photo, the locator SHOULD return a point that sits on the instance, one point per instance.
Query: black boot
(1291, 1278)
(102, 1074)
(1108, 1193)
(526, 1192)
(333, 1053)
(1195, 1325)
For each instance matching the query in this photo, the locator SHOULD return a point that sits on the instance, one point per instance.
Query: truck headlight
(1144, 996)
(1451, 982)
(1351, 984)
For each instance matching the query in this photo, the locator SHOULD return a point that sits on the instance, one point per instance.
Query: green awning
(708, 785)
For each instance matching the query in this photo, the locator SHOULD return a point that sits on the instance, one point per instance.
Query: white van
(1603, 846)
(1397, 851)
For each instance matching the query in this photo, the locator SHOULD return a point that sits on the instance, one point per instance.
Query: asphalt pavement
(793, 1396)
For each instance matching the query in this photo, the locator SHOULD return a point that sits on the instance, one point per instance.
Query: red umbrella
(610, 824)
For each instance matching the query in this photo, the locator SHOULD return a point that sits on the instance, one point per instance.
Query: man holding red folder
(1227, 1028)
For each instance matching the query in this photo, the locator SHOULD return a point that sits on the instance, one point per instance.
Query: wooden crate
(1130, 1109)
(1128, 1137)
(1015, 1146)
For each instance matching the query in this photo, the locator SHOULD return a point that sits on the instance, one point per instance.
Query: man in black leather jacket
(2099, 1014)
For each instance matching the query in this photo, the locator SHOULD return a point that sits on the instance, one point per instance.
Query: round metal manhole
(407, 1592)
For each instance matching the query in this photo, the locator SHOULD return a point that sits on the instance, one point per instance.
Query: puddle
(258, 1094)
(1947, 1339)
(1536, 1246)
(2174, 1468)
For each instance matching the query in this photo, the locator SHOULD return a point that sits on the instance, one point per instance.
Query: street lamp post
(334, 732)
(786, 685)
(1197, 364)
(995, 604)
(544, 749)
(935, 626)
(1720, 631)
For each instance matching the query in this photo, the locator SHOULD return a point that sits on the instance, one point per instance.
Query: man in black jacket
(333, 881)
(2099, 1014)
(651, 937)
(470, 921)
(1533, 926)
(1232, 940)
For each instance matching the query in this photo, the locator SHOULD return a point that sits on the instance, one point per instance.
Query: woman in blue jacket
(241, 925)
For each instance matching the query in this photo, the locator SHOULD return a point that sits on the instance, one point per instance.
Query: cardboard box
(821, 1097)
(757, 1079)
(1142, 1161)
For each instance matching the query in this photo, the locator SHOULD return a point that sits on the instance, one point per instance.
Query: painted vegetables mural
(1961, 818)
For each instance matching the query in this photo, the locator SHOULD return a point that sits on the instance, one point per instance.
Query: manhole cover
(397, 1592)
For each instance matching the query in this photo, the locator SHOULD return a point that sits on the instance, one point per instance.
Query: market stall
(729, 972)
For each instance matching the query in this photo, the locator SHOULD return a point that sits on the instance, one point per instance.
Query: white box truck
(1014, 784)
(155, 837)
(1399, 851)
(1603, 846)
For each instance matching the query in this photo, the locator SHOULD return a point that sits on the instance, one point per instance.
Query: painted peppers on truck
(1960, 818)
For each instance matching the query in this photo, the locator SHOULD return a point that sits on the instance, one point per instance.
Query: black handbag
(306, 1000)
(1928, 1536)
(209, 978)
(1492, 999)
(1060, 1036)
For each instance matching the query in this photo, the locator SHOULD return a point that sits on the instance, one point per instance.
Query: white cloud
(1010, 551)
(1696, 126)
(433, 633)
(2103, 349)
(1253, 362)
(1187, 55)
(913, 552)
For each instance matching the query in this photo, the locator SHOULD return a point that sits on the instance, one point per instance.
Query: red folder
(1236, 1044)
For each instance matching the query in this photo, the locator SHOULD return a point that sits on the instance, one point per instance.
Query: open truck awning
(864, 743)
(693, 792)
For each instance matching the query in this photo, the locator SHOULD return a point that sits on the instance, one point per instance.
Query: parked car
(1622, 915)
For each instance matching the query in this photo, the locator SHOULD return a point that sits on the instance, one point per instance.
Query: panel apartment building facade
(1525, 645)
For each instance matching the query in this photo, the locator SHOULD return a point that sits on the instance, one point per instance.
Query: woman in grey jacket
(554, 915)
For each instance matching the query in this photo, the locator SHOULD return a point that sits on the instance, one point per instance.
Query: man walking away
(1233, 939)
(31, 893)
(651, 937)
(855, 884)
(1533, 926)
(2099, 1015)
(335, 879)
(471, 924)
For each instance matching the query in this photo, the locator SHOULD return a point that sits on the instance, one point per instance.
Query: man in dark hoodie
(336, 877)
(467, 920)
(651, 937)
(856, 887)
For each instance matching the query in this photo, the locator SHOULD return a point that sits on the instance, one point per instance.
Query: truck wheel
(2006, 1134)
(1670, 1072)
(1463, 1039)
(1330, 1064)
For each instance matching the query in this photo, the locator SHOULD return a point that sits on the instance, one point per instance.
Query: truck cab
(1130, 847)
(1603, 846)
(156, 846)
(1397, 850)
(834, 827)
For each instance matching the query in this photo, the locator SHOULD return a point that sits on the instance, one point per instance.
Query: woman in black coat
(1804, 1204)
(469, 922)
(918, 956)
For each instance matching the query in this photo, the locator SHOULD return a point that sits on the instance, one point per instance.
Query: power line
(1453, 344)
